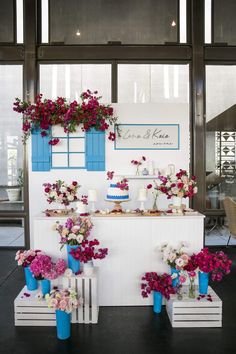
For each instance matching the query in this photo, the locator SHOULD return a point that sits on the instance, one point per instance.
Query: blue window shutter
(95, 150)
(41, 152)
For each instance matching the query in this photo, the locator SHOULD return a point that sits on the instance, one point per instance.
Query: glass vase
(191, 290)
(154, 206)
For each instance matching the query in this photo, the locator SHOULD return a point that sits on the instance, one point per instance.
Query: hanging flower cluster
(43, 267)
(179, 185)
(64, 300)
(60, 192)
(88, 251)
(25, 258)
(74, 231)
(43, 114)
(155, 282)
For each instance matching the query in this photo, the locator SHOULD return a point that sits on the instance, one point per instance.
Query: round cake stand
(117, 206)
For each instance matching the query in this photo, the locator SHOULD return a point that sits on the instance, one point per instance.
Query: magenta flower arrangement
(43, 114)
(138, 163)
(179, 185)
(74, 231)
(154, 282)
(218, 263)
(43, 267)
(87, 252)
(64, 300)
(60, 192)
(25, 258)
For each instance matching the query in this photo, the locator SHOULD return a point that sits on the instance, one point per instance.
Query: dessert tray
(59, 212)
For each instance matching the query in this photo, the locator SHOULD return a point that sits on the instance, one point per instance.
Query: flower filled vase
(203, 281)
(177, 202)
(157, 301)
(88, 268)
(175, 281)
(45, 286)
(63, 324)
(73, 264)
(191, 289)
(31, 282)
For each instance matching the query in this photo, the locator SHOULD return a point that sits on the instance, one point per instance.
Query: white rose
(72, 236)
(53, 194)
(79, 238)
(195, 190)
(179, 262)
(70, 198)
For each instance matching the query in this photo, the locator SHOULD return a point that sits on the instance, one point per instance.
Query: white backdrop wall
(119, 160)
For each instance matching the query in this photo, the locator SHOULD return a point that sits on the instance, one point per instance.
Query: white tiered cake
(115, 193)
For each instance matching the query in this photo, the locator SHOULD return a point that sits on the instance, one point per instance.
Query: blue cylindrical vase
(31, 282)
(203, 280)
(73, 264)
(157, 301)
(63, 324)
(45, 286)
(175, 281)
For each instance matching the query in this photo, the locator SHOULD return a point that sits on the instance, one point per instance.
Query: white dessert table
(132, 244)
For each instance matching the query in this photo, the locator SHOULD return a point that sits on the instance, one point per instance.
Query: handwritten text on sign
(147, 136)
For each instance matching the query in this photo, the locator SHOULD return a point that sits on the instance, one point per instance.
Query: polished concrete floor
(121, 330)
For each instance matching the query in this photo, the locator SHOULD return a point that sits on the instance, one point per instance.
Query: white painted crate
(29, 311)
(195, 313)
(87, 287)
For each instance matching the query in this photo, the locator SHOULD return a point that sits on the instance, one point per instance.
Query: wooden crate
(195, 313)
(30, 311)
(87, 287)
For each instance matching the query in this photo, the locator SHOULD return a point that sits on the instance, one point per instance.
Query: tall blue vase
(157, 301)
(73, 264)
(203, 281)
(31, 282)
(45, 286)
(175, 281)
(63, 324)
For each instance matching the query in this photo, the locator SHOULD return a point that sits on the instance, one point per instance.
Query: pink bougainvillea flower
(110, 175)
(54, 141)
(112, 136)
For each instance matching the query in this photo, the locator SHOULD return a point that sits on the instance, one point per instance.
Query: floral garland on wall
(43, 114)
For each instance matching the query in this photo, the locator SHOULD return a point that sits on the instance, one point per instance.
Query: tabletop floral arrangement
(60, 192)
(138, 163)
(74, 231)
(43, 267)
(89, 251)
(179, 185)
(155, 192)
(24, 258)
(160, 283)
(43, 114)
(64, 300)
